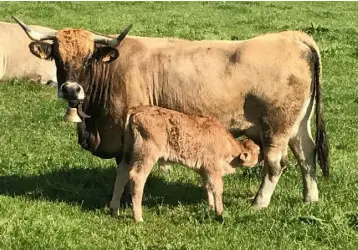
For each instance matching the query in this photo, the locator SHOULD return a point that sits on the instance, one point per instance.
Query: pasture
(53, 194)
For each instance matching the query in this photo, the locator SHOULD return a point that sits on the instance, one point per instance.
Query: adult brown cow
(263, 87)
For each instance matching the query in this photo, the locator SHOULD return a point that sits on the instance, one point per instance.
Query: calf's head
(74, 51)
(250, 154)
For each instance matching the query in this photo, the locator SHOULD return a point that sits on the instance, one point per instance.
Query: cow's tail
(322, 145)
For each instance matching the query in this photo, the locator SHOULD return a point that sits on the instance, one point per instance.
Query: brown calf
(198, 142)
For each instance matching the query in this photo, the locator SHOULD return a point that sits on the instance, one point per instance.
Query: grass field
(53, 193)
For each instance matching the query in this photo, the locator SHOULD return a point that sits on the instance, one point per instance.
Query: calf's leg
(138, 176)
(205, 180)
(126, 195)
(121, 181)
(216, 185)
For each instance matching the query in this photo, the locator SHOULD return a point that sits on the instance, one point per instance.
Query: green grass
(53, 193)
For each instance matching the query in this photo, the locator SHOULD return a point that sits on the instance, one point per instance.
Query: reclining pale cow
(16, 60)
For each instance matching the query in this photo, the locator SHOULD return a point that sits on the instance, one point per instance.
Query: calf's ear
(105, 54)
(41, 50)
(243, 156)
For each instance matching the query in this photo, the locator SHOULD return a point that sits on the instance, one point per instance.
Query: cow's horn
(113, 42)
(35, 35)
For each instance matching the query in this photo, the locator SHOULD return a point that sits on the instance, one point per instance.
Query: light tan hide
(199, 143)
(264, 88)
(16, 61)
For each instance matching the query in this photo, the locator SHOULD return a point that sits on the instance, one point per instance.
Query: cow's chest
(101, 138)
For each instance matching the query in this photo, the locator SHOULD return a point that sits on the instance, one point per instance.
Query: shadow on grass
(353, 221)
(92, 188)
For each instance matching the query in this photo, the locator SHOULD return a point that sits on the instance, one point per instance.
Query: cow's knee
(275, 162)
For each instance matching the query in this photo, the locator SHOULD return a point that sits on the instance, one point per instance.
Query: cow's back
(234, 81)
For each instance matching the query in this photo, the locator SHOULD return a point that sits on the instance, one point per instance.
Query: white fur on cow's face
(74, 94)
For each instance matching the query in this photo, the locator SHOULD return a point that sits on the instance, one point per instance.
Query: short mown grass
(53, 193)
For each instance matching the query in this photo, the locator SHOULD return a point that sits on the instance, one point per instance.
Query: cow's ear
(41, 50)
(105, 54)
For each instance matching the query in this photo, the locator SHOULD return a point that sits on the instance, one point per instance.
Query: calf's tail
(127, 139)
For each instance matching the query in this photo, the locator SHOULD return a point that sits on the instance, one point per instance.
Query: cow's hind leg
(303, 146)
(274, 155)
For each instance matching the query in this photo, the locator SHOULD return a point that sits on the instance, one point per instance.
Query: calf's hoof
(220, 219)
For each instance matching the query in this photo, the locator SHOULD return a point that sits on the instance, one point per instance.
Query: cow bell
(72, 115)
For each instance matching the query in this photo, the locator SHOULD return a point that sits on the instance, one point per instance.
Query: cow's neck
(98, 90)
(101, 133)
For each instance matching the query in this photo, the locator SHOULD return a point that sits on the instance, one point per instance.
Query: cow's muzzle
(71, 91)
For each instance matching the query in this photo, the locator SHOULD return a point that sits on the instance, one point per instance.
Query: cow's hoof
(251, 198)
(139, 220)
(257, 205)
(114, 212)
(310, 198)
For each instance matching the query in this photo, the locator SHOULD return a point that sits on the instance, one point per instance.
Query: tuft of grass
(53, 193)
